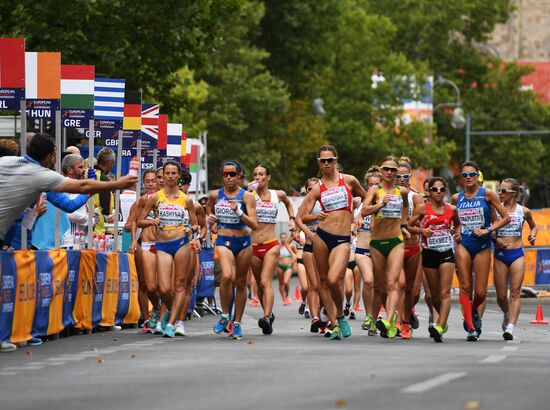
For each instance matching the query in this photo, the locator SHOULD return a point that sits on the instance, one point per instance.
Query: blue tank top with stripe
(227, 218)
(474, 213)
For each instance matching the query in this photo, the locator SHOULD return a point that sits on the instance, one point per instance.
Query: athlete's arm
(534, 228)
(142, 222)
(494, 201)
(405, 212)
(355, 186)
(454, 198)
(201, 219)
(368, 207)
(300, 223)
(249, 218)
(418, 214)
(290, 210)
(212, 198)
(91, 186)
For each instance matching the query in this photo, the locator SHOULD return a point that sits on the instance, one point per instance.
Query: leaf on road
(341, 403)
(132, 356)
(474, 404)
(100, 360)
(29, 353)
(250, 342)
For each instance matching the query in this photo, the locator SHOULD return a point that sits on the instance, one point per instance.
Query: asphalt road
(292, 369)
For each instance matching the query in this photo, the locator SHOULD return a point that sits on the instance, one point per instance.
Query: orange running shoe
(358, 308)
(406, 331)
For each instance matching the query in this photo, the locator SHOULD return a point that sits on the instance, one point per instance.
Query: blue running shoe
(473, 336)
(169, 331)
(476, 319)
(335, 333)
(221, 325)
(344, 326)
(165, 319)
(237, 331)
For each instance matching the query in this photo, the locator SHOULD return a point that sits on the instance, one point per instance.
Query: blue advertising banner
(10, 98)
(42, 108)
(76, 118)
(8, 277)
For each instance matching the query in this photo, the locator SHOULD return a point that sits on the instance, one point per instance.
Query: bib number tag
(471, 219)
(335, 198)
(393, 207)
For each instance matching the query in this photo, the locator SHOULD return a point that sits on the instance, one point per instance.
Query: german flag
(132, 110)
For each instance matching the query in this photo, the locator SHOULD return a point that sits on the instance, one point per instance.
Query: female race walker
(475, 208)
(233, 209)
(144, 249)
(363, 259)
(287, 256)
(331, 244)
(509, 260)
(389, 205)
(308, 224)
(173, 250)
(437, 221)
(265, 246)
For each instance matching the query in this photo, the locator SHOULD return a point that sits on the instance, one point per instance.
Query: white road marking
(59, 363)
(494, 358)
(2, 373)
(36, 367)
(510, 348)
(65, 358)
(433, 382)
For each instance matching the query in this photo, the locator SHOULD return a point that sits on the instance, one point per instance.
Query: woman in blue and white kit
(509, 259)
(475, 207)
(233, 209)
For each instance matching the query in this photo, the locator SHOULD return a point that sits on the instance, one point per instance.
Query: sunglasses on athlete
(402, 176)
(438, 189)
(184, 182)
(327, 160)
(230, 174)
(507, 191)
(389, 169)
(470, 174)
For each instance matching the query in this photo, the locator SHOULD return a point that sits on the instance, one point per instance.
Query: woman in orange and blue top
(475, 209)
(389, 205)
(265, 246)
(233, 209)
(174, 211)
(331, 243)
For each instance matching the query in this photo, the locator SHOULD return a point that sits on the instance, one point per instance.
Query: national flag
(150, 120)
(183, 160)
(163, 131)
(42, 76)
(12, 63)
(173, 140)
(132, 110)
(77, 86)
(109, 99)
(193, 158)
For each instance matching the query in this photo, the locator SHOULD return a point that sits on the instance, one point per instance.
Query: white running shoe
(505, 320)
(180, 329)
(158, 329)
(7, 347)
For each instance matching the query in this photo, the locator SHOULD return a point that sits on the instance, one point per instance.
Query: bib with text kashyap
(172, 215)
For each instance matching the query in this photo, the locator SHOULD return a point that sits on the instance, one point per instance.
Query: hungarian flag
(42, 75)
(77, 87)
(132, 110)
(12, 63)
(192, 159)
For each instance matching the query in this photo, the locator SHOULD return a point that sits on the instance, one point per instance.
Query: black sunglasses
(507, 191)
(230, 174)
(389, 169)
(184, 182)
(326, 160)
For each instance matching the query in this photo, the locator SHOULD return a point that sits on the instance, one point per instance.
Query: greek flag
(108, 99)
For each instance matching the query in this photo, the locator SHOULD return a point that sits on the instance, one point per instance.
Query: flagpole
(23, 149)
(117, 193)
(155, 158)
(138, 187)
(58, 170)
(91, 141)
(205, 143)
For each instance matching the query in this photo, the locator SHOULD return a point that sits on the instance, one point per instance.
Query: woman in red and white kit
(331, 244)
(265, 246)
(437, 220)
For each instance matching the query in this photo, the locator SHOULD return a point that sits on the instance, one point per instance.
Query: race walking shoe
(508, 332)
(346, 309)
(307, 314)
(221, 325)
(352, 315)
(265, 324)
(406, 331)
(367, 322)
(158, 329)
(476, 319)
(287, 301)
(393, 331)
(335, 333)
(153, 318)
(372, 331)
(383, 327)
(302, 308)
(344, 326)
(315, 325)
(6, 347)
(414, 321)
(169, 331)
(180, 328)
(473, 336)
(165, 319)
(237, 331)
(436, 332)
(505, 321)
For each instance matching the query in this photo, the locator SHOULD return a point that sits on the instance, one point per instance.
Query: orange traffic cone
(297, 294)
(539, 318)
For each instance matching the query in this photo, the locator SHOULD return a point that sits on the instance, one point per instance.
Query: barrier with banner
(42, 292)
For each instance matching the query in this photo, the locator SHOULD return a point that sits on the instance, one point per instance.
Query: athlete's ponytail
(404, 162)
(373, 171)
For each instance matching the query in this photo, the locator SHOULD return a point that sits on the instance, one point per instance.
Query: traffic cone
(297, 294)
(539, 318)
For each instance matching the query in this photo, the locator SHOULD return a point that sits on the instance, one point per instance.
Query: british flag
(150, 122)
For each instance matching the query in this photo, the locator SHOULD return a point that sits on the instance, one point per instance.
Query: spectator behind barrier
(104, 201)
(22, 179)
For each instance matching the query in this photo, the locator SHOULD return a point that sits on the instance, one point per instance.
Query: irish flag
(42, 75)
(77, 87)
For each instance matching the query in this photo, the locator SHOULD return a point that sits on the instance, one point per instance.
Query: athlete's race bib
(393, 207)
(334, 198)
(441, 240)
(225, 214)
(471, 219)
(171, 215)
(266, 212)
(513, 229)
